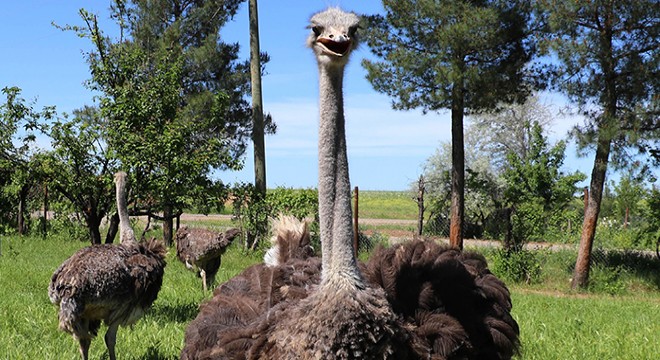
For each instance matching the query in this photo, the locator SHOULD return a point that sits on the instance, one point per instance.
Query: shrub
(517, 266)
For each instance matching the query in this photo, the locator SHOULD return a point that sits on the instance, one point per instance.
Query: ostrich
(417, 300)
(111, 283)
(291, 240)
(201, 250)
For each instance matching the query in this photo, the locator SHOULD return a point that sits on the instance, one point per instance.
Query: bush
(609, 280)
(253, 213)
(521, 266)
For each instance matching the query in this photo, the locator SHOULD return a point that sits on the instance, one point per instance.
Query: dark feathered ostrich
(201, 250)
(115, 284)
(417, 300)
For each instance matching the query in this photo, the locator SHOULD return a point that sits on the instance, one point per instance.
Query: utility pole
(257, 103)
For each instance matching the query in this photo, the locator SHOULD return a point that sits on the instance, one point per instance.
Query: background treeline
(173, 112)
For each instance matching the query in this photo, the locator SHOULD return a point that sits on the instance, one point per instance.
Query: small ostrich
(291, 240)
(201, 250)
(115, 284)
(417, 300)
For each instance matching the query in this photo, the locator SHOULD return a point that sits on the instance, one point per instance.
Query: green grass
(593, 327)
(28, 321)
(555, 322)
(387, 205)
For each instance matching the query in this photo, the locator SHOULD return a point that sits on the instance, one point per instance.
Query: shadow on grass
(642, 265)
(181, 313)
(153, 353)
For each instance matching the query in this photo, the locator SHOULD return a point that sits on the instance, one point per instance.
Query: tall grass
(592, 327)
(553, 325)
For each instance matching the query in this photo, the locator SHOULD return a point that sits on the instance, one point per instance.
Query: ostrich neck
(339, 263)
(125, 231)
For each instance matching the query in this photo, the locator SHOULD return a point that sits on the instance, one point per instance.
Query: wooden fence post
(420, 205)
(356, 236)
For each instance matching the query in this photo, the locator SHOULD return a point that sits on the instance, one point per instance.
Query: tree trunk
(167, 225)
(257, 103)
(508, 224)
(457, 168)
(603, 147)
(93, 225)
(583, 262)
(20, 221)
(44, 224)
(113, 227)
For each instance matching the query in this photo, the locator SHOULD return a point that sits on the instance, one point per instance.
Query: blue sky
(387, 148)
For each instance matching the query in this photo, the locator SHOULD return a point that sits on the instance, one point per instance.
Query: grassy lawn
(555, 323)
(556, 326)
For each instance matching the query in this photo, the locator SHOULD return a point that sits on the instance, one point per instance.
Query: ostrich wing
(230, 324)
(453, 305)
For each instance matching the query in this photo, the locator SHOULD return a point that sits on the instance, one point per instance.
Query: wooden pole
(356, 236)
(420, 205)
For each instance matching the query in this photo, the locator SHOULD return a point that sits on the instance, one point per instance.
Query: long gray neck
(126, 234)
(335, 215)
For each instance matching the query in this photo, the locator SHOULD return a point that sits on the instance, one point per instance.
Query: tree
(509, 164)
(607, 56)
(628, 193)
(466, 56)
(80, 168)
(18, 168)
(174, 98)
(508, 130)
(536, 185)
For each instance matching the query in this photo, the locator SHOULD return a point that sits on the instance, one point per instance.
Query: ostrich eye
(352, 30)
(316, 30)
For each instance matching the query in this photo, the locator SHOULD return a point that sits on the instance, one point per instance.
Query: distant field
(387, 205)
(555, 324)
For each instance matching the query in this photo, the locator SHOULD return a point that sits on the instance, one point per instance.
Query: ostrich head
(334, 35)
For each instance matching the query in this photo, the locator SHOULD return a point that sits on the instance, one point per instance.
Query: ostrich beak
(336, 48)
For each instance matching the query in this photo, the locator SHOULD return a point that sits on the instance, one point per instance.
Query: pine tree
(460, 55)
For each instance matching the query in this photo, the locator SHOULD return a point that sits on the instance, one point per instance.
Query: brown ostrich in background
(115, 284)
(417, 300)
(201, 250)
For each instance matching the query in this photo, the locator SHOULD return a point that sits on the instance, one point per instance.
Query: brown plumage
(228, 325)
(201, 250)
(447, 304)
(417, 300)
(453, 306)
(115, 284)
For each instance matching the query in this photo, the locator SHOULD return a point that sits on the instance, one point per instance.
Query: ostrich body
(201, 250)
(115, 284)
(417, 300)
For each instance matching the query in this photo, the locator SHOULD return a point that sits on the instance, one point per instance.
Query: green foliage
(301, 203)
(603, 279)
(536, 187)
(425, 48)
(172, 98)
(20, 167)
(521, 266)
(80, 168)
(254, 213)
(607, 61)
